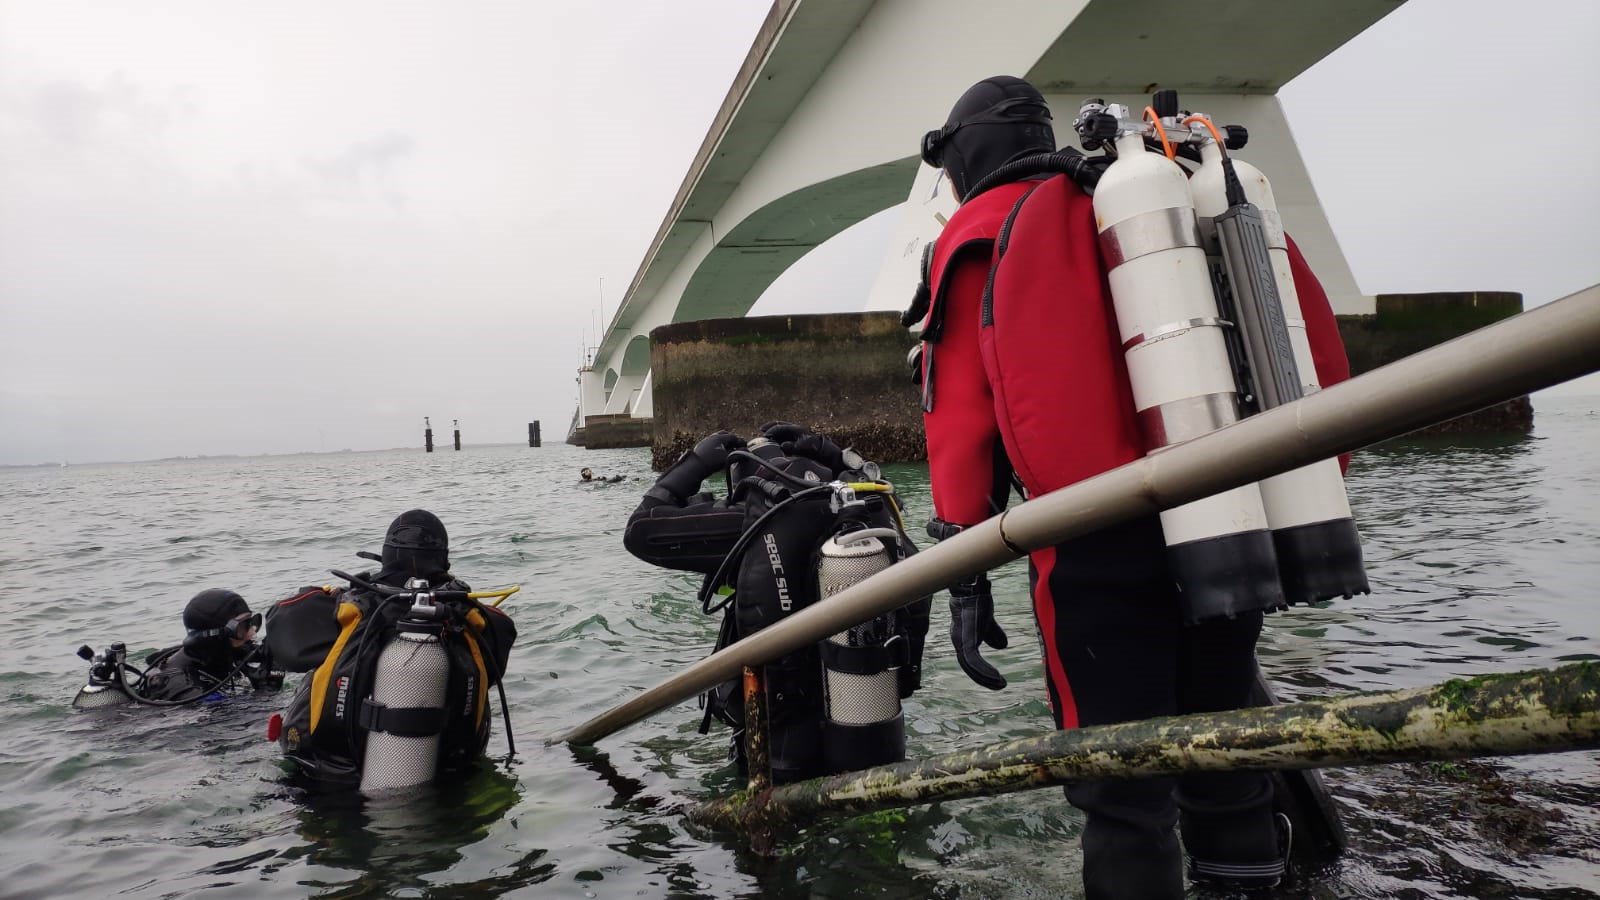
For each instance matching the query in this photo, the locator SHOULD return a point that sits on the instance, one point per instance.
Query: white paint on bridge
(821, 126)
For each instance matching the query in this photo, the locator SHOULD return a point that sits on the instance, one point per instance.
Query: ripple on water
(1481, 557)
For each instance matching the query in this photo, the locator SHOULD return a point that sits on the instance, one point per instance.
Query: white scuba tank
(862, 722)
(412, 674)
(1183, 384)
(1318, 547)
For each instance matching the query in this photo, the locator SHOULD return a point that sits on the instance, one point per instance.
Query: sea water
(1483, 555)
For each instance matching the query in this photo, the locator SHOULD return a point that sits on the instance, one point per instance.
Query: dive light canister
(862, 723)
(405, 714)
(1183, 385)
(1308, 512)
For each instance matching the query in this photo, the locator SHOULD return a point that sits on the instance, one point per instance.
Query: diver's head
(416, 546)
(217, 615)
(587, 474)
(997, 120)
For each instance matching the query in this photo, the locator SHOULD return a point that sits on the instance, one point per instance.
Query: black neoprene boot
(1238, 850)
(1130, 847)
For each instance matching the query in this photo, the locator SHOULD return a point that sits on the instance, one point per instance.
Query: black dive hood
(997, 120)
(416, 546)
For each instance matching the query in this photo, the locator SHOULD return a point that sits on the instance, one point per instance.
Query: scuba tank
(405, 715)
(1315, 537)
(111, 683)
(1219, 547)
(832, 706)
(862, 724)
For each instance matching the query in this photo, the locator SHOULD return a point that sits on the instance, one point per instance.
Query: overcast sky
(248, 227)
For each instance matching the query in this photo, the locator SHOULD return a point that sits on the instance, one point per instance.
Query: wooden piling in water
(533, 433)
(1541, 711)
(427, 435)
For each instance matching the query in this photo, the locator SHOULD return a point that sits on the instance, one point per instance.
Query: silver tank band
(1180, 420)
(1149, 232)
(1172, 328)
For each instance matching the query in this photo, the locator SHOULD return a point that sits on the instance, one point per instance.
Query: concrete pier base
(846, 375)
(843, 374)
(1406, 323)
(611, 431)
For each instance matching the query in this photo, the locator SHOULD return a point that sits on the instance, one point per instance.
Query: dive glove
(707, 458)
(819, 448)
(971, 623)
(783, 432)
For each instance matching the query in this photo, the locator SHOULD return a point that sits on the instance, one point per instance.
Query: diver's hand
(713, 449)
(783, 432)
(707, 457)
(260, 671)
(819, 448)
(971, 623)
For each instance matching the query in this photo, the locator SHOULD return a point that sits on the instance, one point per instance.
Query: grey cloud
(366, 165)
(74, 114)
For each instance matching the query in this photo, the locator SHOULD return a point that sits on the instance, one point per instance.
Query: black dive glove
(971, 623)
(263, 675)
(707, 458)
(783, 432)
(819, 448)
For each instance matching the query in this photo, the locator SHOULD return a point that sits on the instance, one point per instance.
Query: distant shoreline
(225, 456)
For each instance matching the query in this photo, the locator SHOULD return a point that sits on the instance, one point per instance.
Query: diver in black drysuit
(677, 526)
(218, 655)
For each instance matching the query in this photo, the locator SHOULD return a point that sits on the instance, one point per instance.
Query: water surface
(1483, 556)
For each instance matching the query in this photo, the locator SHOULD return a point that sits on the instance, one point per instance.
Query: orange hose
(1211, 128)
(1151, 117)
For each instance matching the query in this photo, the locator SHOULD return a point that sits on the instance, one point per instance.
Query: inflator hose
(1083, 170)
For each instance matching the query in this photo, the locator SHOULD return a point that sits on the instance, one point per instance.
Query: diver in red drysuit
(1022, 372)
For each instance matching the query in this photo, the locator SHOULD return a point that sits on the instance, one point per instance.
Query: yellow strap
(475, 619)
(349, 615)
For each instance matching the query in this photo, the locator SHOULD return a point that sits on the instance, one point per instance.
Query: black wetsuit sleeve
(693, 537)
(172, 680)
(302, 629)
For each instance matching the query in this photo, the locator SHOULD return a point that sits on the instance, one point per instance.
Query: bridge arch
(745, 261)
(636, 358)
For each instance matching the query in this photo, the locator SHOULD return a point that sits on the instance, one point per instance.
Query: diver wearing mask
(218, 655)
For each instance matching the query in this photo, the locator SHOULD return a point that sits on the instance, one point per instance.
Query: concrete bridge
(821, 128)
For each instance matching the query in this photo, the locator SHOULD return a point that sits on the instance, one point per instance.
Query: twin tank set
(1212, 331)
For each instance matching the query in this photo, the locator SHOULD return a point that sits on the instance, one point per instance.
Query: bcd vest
(322, 730)
(776, 576)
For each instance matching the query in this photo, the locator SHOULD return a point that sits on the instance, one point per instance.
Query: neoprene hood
(997, 120)
(416, 545)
